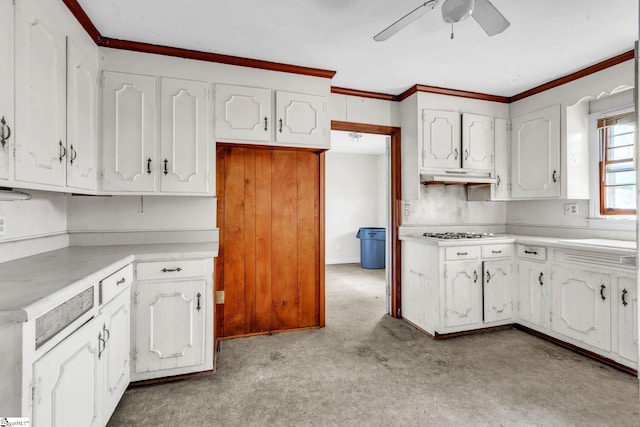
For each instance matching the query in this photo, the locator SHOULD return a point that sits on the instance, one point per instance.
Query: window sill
(626, 224)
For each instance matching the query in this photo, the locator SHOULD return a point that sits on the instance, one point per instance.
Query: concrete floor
(368, 369)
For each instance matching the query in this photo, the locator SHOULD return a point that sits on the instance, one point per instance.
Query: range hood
(457, 176)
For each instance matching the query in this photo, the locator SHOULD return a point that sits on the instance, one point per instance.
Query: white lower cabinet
(581, 305)
(66, 382)
(497, 292)
(627, 302)
(462, 294)
(173, 318)
(533, 293)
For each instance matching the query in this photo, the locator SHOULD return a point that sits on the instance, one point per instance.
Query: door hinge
(219, 297)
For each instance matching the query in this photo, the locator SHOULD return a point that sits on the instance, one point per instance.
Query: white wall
(140, 219)
(355, 197)
(33, 226)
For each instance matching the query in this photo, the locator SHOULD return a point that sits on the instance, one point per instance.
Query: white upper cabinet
(477, 142)
(128, 141)
(82, 118)
(500, 190)
(184, 154)
(243, 113)
(536, 154)
(440, 140)
(40, 97)
(6, 76)
(301, 119)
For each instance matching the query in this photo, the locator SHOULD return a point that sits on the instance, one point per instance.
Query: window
(617, 171)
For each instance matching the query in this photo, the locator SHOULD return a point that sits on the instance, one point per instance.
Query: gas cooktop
(460, 235)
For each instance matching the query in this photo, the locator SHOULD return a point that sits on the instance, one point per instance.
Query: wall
(33, 226)
(357, 109)
(355, 197)
(141, 219)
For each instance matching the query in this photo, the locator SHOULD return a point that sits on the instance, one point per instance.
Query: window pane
(621, 130)
(621, 197)
(620, 153)
(618, 178)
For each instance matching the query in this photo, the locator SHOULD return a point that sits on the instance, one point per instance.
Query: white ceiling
(358, 143)
(547, 38)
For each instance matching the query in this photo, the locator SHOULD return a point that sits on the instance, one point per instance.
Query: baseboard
(257, 334)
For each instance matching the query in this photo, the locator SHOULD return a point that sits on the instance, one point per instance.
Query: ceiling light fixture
(355, 136)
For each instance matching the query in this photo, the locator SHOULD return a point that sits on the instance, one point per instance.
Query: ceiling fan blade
(489, 18)
(406, 20)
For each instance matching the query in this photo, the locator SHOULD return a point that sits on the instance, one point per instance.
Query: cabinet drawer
(532, 252)
(497, 251)
(462, 252)
(111, 286)
(170, 269)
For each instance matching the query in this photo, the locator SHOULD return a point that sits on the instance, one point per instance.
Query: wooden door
(269, 215)
(536, 154)
(477, 142)
(440, 140)
(40, 97)
(183, 121)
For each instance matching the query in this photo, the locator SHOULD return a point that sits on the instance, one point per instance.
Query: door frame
(395, 181)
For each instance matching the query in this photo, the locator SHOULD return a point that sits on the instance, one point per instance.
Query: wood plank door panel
(269, 219)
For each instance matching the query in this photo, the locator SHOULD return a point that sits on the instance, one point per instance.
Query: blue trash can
(372, 246)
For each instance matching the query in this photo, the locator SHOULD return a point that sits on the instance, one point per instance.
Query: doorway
(394, 205)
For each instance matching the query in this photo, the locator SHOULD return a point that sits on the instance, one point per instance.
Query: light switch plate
(571, 209)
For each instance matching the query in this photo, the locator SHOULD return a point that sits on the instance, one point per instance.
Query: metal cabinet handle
(540, 279)
(462, 253)
(4, 135)
(466, 154)
(624, 297)
(475, 276)
(488, 276)
(455, 154)
(280, 125)
(198, 306)
(149, 165)
(531, 252)
(107, 334)
(165, 166)
(63, 151)
(74, 154)
(498, 180)
(266, 123)
(169, 270)
(496, 252)
(104, 344)
(120, 282)
(602, 288)
(553, 176)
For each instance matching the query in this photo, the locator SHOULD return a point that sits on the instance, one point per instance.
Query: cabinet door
(440, 140)
(183, 117)
(169, 325)
(463, 294)
(500, 190)
(6, 76)
(40, 97)
(628, 318)
(581, 301)
(497, 291)
(82, 118)
(536, 154)
(477, 142)
(243, 113)
(129, 132)
(302, 119)
(66, 382)
(115, 368)
(533, 284)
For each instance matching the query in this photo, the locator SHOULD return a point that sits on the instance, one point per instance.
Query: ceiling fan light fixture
(454, 11)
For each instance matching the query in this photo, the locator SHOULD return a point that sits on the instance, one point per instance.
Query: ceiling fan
(453, 11)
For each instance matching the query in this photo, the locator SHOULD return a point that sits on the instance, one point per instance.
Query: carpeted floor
(368, 369)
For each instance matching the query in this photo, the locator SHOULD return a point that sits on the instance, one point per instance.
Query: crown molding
(363, 93)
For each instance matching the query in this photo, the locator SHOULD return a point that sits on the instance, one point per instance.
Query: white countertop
(29, 285)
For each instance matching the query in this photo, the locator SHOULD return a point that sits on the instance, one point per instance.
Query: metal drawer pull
(466, 154)
(107, 334)
(149, 165)
(280, 125)
(498, 180)
(4, 135)
(121, 281)
(462, 253)
(602, 288)
(488, 276)
(475, 276)
(169, 270)
(266, 124)
(540, 279)
(74, 154)
(63, 151)
(496, 252)
(531, 252)
(455, 154)
(553, 176)
(165, 166)
(104, 343)
(624, 297)
(198, 306)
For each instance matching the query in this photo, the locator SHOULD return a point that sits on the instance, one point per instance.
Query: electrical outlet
(571, 209)
(3, 224)
(407, 210)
